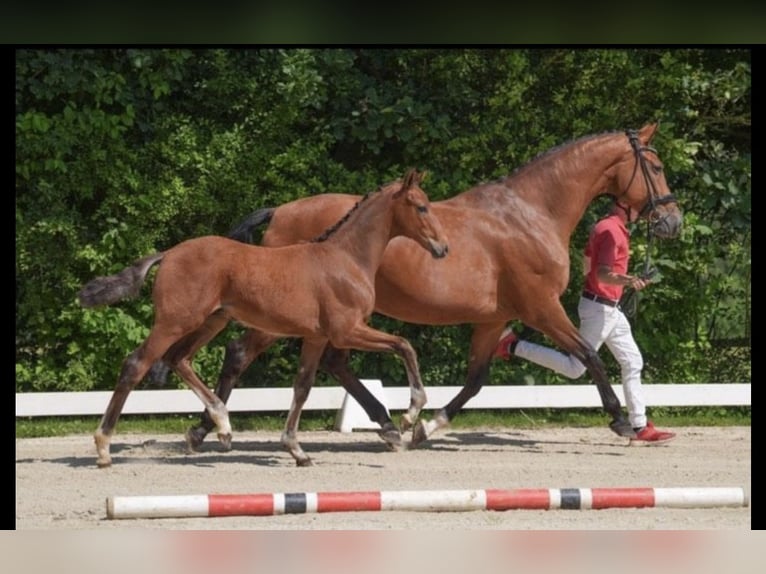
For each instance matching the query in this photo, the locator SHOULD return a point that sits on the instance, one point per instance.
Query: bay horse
(509, 260)
(322, 291)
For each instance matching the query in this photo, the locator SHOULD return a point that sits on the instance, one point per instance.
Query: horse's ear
(407, 179)
(647, 132)
(411, 178)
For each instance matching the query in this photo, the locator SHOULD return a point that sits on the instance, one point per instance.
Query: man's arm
(605, 275)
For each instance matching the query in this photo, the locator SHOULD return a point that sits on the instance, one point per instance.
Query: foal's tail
(112, 288)
(244, 231)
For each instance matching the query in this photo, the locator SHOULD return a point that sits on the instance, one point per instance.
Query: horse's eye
(656, 168)
(422, 209)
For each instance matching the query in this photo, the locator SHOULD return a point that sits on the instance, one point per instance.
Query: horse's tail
(244, 231)
(112, 288)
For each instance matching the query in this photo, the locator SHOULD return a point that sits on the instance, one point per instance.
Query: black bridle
(649, 210)
(654, 200)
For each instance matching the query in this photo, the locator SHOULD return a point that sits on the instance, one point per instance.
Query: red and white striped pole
(211, 505)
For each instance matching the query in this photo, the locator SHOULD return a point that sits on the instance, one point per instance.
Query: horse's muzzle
(438, 250)
(668, 226)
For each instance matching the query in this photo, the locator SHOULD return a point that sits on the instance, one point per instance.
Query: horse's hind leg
(179, 359)
(240, 353)
(133, 370)
(212, 403)
(311, 352)
(335, 362)
(483, 342)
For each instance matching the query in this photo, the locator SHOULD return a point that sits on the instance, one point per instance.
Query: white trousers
(599, 324)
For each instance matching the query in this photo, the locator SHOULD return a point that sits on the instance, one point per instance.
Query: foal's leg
(335, 362)
(483, 343)
(240, 353)
(311, 352)
(135, 366)
(179, 359)
(366, 338)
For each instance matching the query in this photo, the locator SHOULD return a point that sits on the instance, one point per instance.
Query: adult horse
(323, 291)
(509, 260)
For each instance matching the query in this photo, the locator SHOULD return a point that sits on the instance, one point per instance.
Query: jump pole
(214, 505)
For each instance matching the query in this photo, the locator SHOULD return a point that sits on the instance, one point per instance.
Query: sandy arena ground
(58, 485)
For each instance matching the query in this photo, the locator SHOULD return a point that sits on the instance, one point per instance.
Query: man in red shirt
(601, 319)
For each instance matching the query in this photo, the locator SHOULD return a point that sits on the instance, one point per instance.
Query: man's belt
(599, 299)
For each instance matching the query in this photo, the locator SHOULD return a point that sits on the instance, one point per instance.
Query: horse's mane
(554, 150)
(334, 227)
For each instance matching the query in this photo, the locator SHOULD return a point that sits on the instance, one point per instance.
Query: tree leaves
(120, 152)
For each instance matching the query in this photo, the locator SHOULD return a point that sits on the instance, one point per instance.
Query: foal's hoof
(194, 437)
(225, 440)
(425, 429)
(419, 434)
(391, 435)
(405, 423)
(104, 462)
(304, 462)
(622, 427)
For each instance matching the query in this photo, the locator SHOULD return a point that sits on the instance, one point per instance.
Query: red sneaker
(503, 349)
(650, 435)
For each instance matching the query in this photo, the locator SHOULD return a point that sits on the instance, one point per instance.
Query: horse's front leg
(311, 353)
(554, 322)
(417, 392)
(620, 424)
(567, 336)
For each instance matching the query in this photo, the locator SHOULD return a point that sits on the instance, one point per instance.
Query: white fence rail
(395, 398)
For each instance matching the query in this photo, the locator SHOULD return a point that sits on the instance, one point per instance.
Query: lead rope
(648, 258)
(630, 300)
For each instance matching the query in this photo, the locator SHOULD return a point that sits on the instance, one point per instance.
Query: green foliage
(123, 152)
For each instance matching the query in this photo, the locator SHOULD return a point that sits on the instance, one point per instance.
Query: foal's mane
(334, 227)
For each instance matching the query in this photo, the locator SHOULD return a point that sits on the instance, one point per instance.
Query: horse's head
(413, 217)
(640, 184)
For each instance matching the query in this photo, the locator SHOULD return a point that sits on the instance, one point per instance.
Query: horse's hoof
(225, 440)
(104, 462)
(391, 435)
(419, 434)
(395, 447)
(405, 423)
(621, 427)
(193, 440)
(304, 462)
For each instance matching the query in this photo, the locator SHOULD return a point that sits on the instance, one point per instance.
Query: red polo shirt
(608, 245)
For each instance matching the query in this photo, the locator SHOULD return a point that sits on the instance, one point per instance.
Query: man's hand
(629, 299)
(637, 283)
